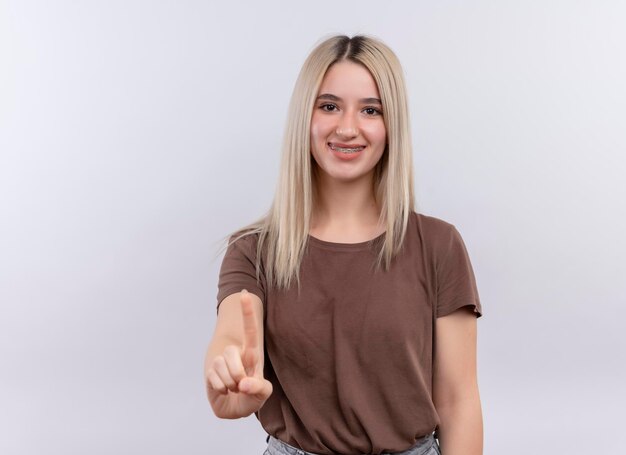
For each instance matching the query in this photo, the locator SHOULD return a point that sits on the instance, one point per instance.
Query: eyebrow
(330, 97)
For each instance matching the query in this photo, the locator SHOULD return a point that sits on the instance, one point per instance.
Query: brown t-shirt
(350, 357)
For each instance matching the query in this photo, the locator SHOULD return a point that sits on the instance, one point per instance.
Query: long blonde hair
(283, 230)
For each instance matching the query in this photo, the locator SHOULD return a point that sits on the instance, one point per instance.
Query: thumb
(256, 386)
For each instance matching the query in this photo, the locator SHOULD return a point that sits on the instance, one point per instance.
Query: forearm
(461, 427)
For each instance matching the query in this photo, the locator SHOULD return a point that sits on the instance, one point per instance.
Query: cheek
(314, 132)
(316, 141)
(377, 134)
(318, 129)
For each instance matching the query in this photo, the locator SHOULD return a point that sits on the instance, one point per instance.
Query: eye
(372, 111)
(328, 107)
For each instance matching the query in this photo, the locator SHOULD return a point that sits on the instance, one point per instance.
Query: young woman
(346, 320)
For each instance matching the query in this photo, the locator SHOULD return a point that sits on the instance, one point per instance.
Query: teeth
(346, 150)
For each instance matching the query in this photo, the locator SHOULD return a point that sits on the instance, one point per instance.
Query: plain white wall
(135, 134)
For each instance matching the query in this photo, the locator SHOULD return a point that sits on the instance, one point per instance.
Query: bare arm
(233, 367)
(455, 385)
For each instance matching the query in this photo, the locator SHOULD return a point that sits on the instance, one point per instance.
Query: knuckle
(238, 374)
(217, 361)
(225, 377)
(231, 350)
(214, 382)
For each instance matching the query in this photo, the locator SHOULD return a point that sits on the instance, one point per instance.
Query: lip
(345, 146)
(345, 156)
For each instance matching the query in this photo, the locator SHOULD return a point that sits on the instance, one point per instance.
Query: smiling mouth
(346, 149)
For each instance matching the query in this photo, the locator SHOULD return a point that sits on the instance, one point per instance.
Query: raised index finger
(251, 340)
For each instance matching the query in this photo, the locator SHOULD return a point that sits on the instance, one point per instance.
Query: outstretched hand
(235, 381)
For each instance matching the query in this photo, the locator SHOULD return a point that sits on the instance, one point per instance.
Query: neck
(348, 205)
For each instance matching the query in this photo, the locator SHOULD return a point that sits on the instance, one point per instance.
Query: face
(348, 135)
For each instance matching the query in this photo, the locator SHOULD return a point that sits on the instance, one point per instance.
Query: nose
(347, 127)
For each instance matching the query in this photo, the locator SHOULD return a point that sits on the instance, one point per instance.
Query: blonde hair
(283, 231)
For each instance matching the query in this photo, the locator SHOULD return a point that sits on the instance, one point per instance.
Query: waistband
(278, 447)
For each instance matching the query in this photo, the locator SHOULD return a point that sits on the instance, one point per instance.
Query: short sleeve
(456, 284)
(238, 270)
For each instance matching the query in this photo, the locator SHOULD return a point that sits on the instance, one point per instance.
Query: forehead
(347, 78)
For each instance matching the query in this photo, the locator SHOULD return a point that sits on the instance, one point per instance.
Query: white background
(134, 135)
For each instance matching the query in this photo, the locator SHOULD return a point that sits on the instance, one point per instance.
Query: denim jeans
(425, 446)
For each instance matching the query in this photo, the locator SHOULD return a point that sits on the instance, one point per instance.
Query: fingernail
(244, 386)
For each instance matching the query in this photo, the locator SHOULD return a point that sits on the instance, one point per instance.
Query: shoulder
(242, 242)
(244, 238)
(429, 220)
(438, 237)
(432, 229)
